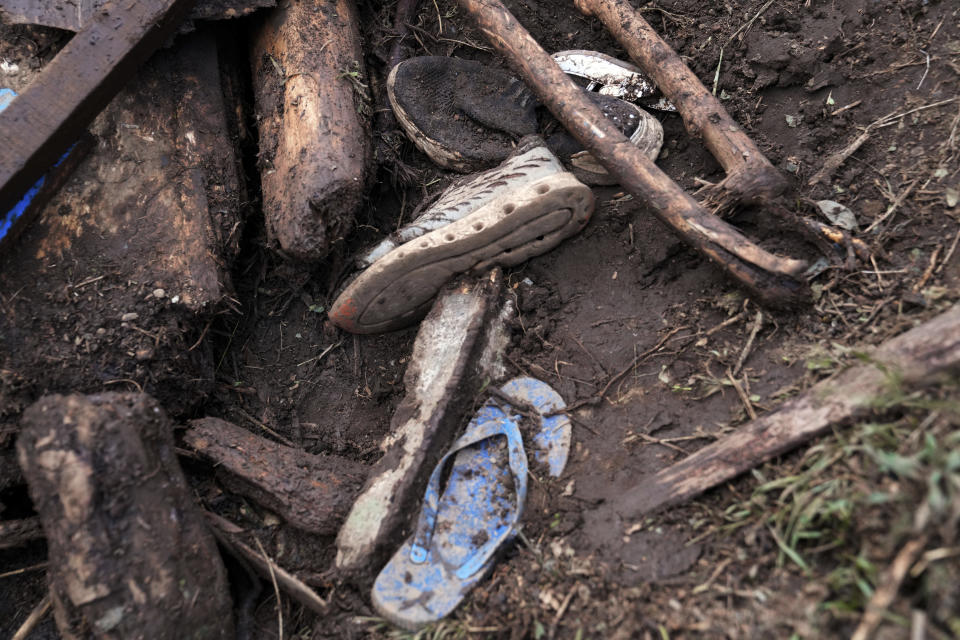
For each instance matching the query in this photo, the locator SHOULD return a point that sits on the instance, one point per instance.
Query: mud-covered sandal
(464, 115)
(464, 523)
(501, 217)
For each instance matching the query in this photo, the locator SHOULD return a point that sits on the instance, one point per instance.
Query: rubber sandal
(612, 77)
(500, 217)
(465, 522)
(465, 116)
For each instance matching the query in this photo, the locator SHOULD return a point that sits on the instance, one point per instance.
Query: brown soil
(804, 79)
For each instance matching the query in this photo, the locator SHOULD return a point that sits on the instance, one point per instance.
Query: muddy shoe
(642, 129)
(500, 217)
(466, 116)
(612, 77)
(463, 115)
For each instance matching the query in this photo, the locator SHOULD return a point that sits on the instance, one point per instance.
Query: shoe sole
(527, 221)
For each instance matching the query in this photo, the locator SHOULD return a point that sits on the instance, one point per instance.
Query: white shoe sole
(522, 209)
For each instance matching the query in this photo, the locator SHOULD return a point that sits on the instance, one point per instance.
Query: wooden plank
(74, 15)
(41, 124)
(916, 357)
(141, 237)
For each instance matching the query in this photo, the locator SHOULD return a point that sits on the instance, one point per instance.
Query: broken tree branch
(773, 279)
(750, 176)
(917, 357)
(311, 492)
(127, 546)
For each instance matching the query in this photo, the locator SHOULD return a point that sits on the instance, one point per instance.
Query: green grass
(865, 489)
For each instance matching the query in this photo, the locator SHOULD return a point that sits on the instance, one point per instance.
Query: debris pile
(144, 156)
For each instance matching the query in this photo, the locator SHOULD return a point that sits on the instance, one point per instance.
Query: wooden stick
(911, 359)
(42, 123)
(773, 279)
(750, 176)
(33, 619)
(315, 147)
(226, 532)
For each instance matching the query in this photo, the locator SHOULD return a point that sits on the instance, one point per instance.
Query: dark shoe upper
(480, 111)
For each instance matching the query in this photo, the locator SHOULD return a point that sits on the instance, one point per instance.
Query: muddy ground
(795, 549)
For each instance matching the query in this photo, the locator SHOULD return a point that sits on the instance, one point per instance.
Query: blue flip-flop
(463, 523)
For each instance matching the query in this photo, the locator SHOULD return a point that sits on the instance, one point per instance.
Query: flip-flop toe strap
(504, 426)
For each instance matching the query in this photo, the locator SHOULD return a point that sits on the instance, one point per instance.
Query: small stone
(914, 299)
(159, 293)
(129, 317)
(952, 197)
(175, 299)
(144, 354)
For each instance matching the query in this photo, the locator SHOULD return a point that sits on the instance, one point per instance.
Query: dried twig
(225, 531)
(33, 619)
(276, 589)
(744, 398)
(887, 591)
(748, 347)
(562, 610)
(597, 397)
(15, 572)
(833, 162)
(894, 205)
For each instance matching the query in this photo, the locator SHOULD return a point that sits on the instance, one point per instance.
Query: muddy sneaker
(500, 217)
(466, 116)
(642, 129)
(463, 115)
